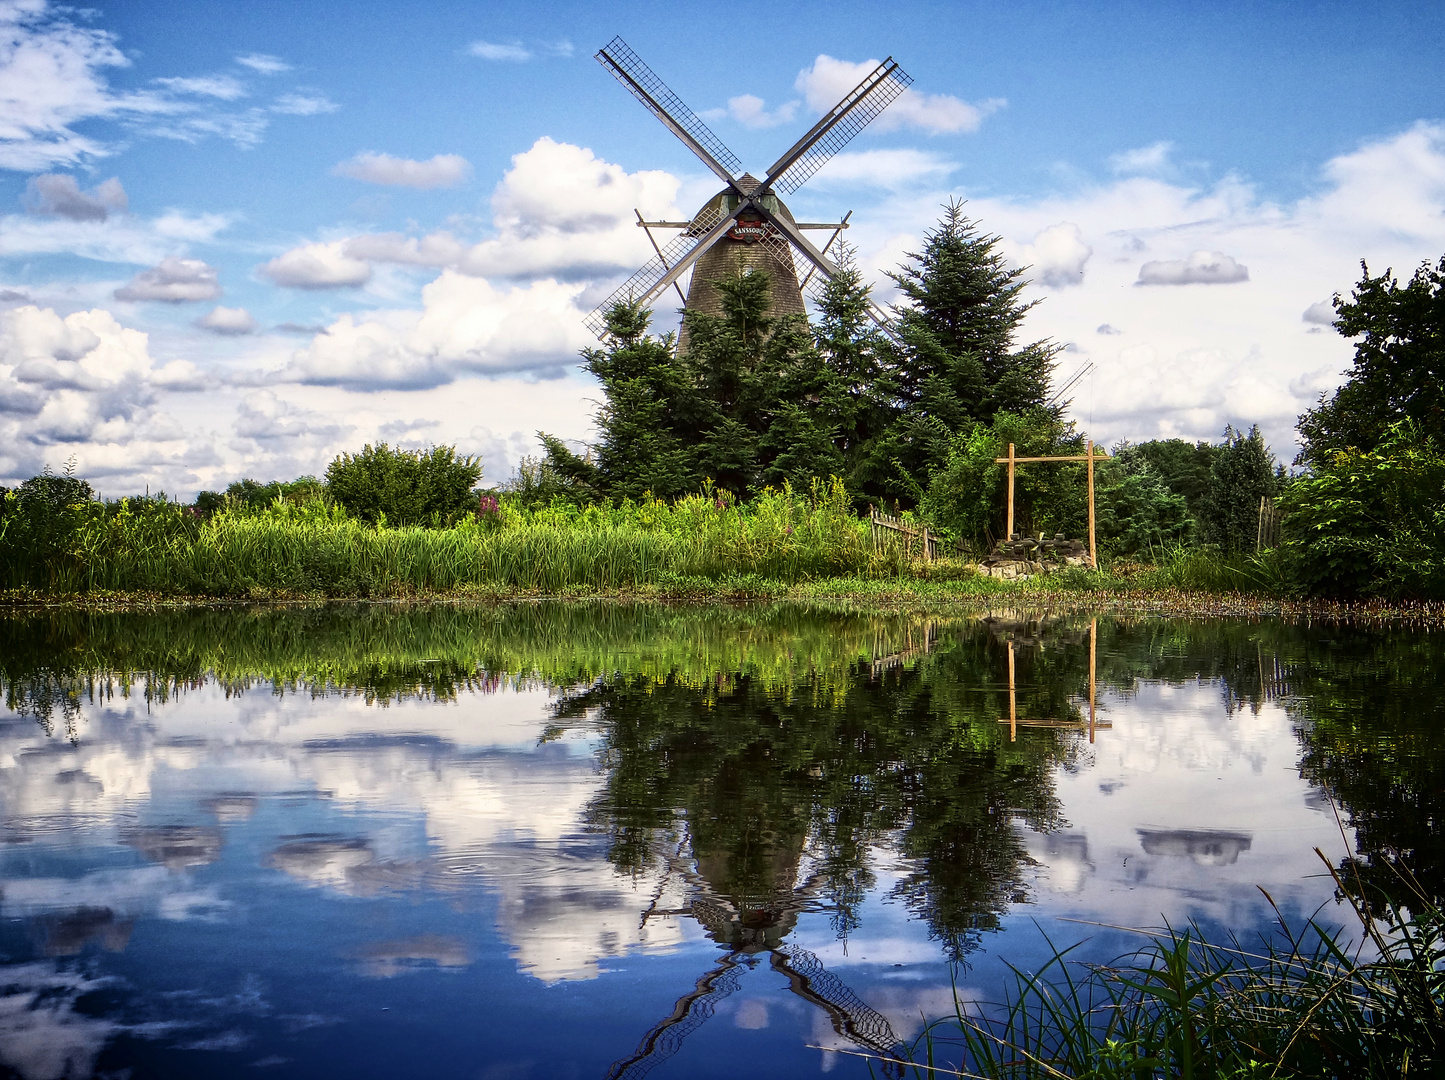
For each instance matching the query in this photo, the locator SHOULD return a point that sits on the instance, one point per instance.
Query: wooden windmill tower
(745, 226)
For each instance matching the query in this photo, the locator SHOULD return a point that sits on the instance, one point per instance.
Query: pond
(552, 840)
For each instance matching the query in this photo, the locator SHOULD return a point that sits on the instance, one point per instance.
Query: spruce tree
(958, 361)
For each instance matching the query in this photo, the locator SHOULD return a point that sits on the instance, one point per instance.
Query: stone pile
(1023, 556)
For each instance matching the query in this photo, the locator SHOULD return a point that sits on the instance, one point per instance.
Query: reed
(1302, 1003)
(315, 549)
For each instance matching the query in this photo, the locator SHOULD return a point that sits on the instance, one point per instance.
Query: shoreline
(851, 595)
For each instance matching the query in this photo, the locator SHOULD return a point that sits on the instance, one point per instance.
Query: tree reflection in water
(779, 761)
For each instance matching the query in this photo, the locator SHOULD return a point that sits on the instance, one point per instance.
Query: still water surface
(567, 841)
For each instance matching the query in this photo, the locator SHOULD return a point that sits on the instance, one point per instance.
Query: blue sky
(206, 277)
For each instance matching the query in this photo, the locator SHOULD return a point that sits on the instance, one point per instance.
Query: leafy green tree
(968, 495)
(1184, 467)
(1135, 509)
(1398, 371)
(1244, 471)
(404, 487)
(1371, 522)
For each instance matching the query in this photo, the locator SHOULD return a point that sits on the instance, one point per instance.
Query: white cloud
(751, 111)
(1201, 268)
(59, 195)
(53, 77)
(264, 64)
(466, 324)
(443, 170)
(175, 280)
(1057, 255)
(317, 266)
(1144, 161)
(226, 320)
(829, 80)
(487, 50)
(889, 169)
(223, 87)
(308, 104)
(1322, 313)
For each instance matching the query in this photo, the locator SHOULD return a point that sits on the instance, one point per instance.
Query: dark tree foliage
(1244, 471)
(1398, 372)
(959, 361)
(251, 494)
(1184, 467)
(1137, 511)
(38, 524)
(406, 487)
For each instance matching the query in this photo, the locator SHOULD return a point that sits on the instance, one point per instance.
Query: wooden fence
(916, 541)
(1267, 534)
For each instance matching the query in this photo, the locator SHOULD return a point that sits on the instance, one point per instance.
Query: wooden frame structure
(1013, 721)
(1088, 455)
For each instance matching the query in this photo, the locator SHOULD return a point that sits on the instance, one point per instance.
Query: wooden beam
(1093, 555)
(1067, 457)
(1093, 639)
(1009, 530)
(1013, 713)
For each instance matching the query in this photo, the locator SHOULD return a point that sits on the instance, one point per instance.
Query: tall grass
(314, 548)
(1206, 569)
(1300, 1004)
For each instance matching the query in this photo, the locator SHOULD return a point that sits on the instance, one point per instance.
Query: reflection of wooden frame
(1013, 721)
(1088, 455)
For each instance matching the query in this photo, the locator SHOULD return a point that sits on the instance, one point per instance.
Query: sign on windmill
(745, 226)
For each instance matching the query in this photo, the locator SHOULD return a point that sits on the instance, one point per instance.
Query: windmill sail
(643, 84)
(653, 278)
(837, 128)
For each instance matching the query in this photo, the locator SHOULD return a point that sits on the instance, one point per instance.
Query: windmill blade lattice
(655, 94)
(850, 116)
(642, 286)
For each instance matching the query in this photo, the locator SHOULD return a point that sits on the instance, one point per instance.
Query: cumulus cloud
(466, 324)
(443, 170)
(317, 266)
(1107, 330)
(487, 50)
(829, 80)
(263, 64)
(1057, 255)
(175, 280)
(58, 195)
(228, 320)
(1143, 161)
(1201, 268)
(559, 211)
(1322, 314)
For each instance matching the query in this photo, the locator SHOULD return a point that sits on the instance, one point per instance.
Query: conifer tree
(958, 361)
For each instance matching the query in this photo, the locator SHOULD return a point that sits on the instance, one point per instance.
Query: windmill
(745, 226)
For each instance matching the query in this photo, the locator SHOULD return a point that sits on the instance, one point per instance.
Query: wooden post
(1093, 641)
(1259, 529)
(1009, 533)
(1089, 450)
(1013, 715)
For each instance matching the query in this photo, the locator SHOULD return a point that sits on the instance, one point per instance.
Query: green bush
(1371, 523)
(1136, 511)
(1243, 472)
(39, 523)
(967, 497)
(404, 487)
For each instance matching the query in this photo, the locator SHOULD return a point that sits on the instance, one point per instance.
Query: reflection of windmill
(745, 929)
(746, 225)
